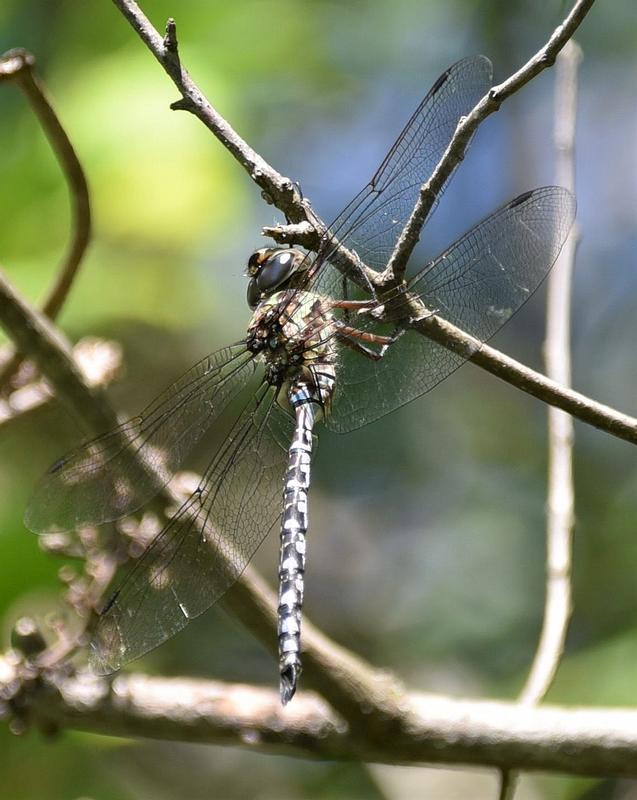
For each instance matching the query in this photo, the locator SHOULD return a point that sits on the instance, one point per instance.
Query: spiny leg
(354, 305)
(374, 355)
(365, 336)
(357, 340)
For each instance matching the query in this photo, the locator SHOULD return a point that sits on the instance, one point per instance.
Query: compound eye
(255, 261)
(276, 270)
(253, 294)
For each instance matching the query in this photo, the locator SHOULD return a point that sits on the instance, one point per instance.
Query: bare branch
(17, 66)
(277, 189)
(301, 233)
(431, 729)
(534, 383)
(560, 502)
(467, 126)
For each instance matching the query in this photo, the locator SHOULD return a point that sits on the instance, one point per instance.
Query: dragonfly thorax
(292, 330)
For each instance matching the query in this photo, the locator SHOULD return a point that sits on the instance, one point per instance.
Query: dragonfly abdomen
(309, 397)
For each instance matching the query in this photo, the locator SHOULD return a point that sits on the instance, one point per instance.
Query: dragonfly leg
(365, 336)
(374, 355)
(358, 340)
(353, 305)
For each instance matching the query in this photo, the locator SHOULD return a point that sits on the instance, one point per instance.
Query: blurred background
(427, 528)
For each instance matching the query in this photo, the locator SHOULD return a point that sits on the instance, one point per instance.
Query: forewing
(115, 474)
(477, 284)
(206, 545)
(371, 224)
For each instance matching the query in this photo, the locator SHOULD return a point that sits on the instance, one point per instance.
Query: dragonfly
(321, 346)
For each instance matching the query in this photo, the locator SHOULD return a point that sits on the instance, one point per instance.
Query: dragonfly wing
(207, 544)
(372, 223)
(115, 474)
(477, 284)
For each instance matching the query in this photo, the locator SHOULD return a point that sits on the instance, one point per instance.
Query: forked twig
(282, 192)
(467, 126)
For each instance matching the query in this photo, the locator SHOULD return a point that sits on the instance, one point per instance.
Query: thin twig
(534, 383)
(18, 67)
(508, 784)
(280, 191)
(431, 729)
(275, 188)
(560, 500)
(467, 126)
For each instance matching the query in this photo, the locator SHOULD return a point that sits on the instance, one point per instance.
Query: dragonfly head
(269, 269)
